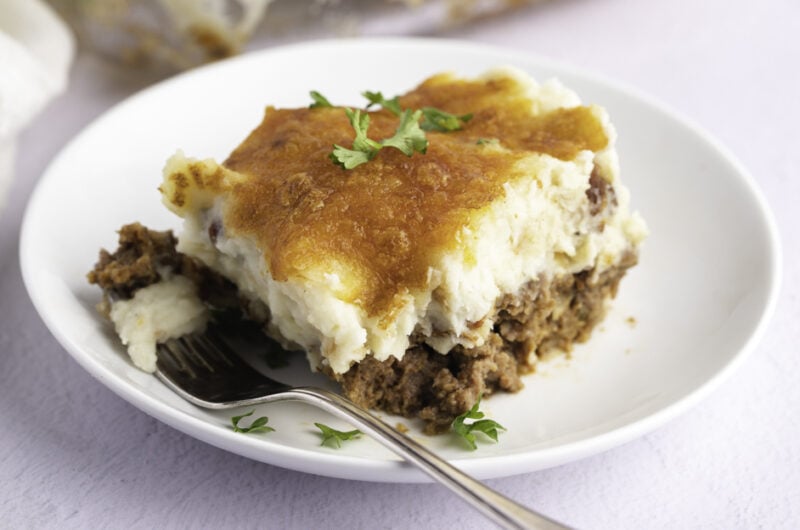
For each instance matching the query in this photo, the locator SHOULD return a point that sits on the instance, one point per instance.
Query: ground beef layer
(144, 256)
(546, 316)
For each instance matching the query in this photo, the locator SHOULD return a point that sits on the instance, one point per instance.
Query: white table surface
(74, 455)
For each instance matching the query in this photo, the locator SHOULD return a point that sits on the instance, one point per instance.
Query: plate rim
(391, 470)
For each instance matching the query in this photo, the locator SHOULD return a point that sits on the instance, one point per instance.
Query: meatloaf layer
(546, 317)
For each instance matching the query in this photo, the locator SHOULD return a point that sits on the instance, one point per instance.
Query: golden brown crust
(192, 185)
(384, 223)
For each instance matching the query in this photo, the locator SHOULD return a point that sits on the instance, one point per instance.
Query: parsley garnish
(465, 430)
(487, 141)
(376, 98)
(433, 118)
(350, 158)
(258, 425)
(441, 121)
(319, 100)
(363, 149)
(333, 438)
(408, 138)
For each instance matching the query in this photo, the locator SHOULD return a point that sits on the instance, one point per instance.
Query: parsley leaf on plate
(488, 427)
(333, 438)
(258, 425)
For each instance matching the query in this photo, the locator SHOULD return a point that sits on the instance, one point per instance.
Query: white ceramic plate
(700, 297)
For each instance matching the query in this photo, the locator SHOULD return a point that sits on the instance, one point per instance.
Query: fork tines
(200, 355)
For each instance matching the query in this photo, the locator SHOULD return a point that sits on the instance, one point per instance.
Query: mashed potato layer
(164, 310)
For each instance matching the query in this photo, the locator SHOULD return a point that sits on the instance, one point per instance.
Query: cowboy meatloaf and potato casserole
(419, 278)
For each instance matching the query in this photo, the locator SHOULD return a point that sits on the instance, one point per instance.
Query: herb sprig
(259, 425)
(363, 149)
(376, 98)
(433, 119)
(466, 430)
(333, 438)
(441, 121)
(409, 137)
(319, 100)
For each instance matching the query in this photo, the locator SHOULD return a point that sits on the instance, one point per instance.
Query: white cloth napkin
(36, 50)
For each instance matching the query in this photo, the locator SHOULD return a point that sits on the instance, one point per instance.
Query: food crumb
(401, 427)
(631, 321)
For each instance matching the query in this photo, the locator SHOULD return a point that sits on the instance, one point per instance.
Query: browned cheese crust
(386, 221)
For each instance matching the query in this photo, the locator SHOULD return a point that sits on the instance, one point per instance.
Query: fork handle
(499, 508)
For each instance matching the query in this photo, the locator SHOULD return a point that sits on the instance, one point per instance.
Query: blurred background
(154, 39)
(170, 35)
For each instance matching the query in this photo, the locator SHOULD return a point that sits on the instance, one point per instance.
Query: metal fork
(206, 371)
